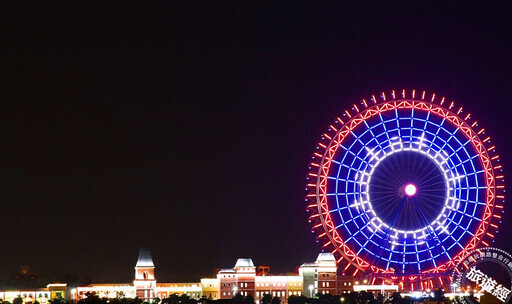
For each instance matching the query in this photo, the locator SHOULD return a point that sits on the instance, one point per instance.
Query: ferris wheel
(405, 183)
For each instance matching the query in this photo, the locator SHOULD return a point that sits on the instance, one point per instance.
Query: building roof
(244, 262)
(325, 257)
(145, 259)
(227, 270)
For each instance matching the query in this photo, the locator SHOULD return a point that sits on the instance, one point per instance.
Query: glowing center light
(410, 189)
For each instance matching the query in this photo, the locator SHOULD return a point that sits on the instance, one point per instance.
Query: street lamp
(310, 291)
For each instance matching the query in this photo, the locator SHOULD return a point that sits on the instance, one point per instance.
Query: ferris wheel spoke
(430, 175)
(427, 181)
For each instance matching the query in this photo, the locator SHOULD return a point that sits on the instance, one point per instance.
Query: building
(244, 278)
(145, 282)
(144, 285)
(42, 295)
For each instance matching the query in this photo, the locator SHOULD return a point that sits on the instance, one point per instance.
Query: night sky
(187, 127)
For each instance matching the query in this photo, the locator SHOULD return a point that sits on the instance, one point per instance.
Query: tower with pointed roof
(145, 281)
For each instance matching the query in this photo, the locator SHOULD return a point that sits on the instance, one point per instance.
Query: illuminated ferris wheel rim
(357, 117)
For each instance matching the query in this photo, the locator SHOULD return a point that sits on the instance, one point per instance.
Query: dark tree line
(362, 297)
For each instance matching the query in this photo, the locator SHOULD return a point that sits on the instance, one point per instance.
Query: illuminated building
(210, 288)
(42, 295)
(144, 285)
(145, 282)
(244, 279)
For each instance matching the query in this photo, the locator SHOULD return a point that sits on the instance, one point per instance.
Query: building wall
(210, 288)
(313, 278)
(227, 284)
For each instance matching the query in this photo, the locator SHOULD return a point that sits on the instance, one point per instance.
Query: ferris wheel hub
(410, 189)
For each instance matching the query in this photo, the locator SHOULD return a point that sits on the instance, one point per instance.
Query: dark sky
(187, 126)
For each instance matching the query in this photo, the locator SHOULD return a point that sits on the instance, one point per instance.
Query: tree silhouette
(396, 298)
(249, 299)
(239, 298)
(276, 300)
(297, 300)
(438, 295)
(266, 299)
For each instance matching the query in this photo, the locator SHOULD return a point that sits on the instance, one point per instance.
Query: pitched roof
(244, 262)
(145, 259)
(325, 257)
